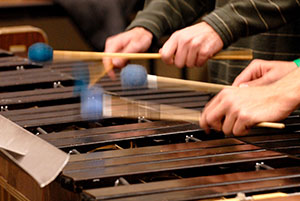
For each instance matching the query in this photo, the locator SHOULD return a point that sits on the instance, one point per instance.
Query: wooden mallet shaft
(161, 82)
(201, 86)
(122, 107)
(126, 108)
(86, 55)
(59, 55)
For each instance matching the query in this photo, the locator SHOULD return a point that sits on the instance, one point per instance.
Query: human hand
(235, 110)
(262, 72)
(135, 40)
(191, 46)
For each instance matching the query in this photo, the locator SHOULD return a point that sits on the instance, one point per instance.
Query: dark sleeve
(240, 18)
(165, 16)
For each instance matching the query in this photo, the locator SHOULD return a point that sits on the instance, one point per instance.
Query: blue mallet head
(133, 75)
(91, 103)
(40, 52)
(81, 74)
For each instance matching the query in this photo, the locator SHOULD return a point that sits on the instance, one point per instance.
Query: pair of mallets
(45, 52)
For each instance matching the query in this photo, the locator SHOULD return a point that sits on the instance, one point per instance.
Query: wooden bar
(32, 77)
(218, 191)
(151, 150)
(150, 158)
(182, 129)
(192, 183)
(126, 169)
(284, 198)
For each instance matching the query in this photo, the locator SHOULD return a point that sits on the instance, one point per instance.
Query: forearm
(164, 16)
(242, 18)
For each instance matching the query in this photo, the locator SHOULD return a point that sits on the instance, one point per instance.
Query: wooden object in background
(17, 39)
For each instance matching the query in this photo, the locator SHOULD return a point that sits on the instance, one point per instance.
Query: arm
(243, 18)
(165, 16)
(194, 45)
(236, 110)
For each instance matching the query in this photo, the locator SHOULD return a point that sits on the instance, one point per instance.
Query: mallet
(133, 74)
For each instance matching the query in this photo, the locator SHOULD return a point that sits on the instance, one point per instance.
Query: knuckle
(109, 41)
(195, 44)
(211, 119)
(243, 116)
(204, 52)
(225, 94)
(135, 46)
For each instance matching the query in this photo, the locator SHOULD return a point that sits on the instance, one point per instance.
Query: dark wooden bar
(209, 186)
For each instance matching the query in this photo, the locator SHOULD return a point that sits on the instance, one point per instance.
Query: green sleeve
(240, 18)
(165, 16)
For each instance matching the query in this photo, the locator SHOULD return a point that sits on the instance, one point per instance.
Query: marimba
(137, 159)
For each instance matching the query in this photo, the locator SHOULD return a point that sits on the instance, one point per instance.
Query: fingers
(191, 46)
(181, 55)
(223, 113)
(212, 115)
(168, 50)
(194, 57)
(112, 45)
(115, 44)
(262, 72)
(258, 82)
(234, 123)
(184, 52)
(248, 74)
(135, 40)
(229, 123)
(242, 125)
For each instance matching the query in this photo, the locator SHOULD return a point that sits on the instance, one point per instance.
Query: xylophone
(137, 159)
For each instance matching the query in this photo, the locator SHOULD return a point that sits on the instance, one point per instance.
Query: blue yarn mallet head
(133, 76)
(40, 52)
(81, 74)
(91, 103)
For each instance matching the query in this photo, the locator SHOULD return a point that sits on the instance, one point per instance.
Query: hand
(191, 46)
(235, 110)
(262, 72)
(135, 40)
